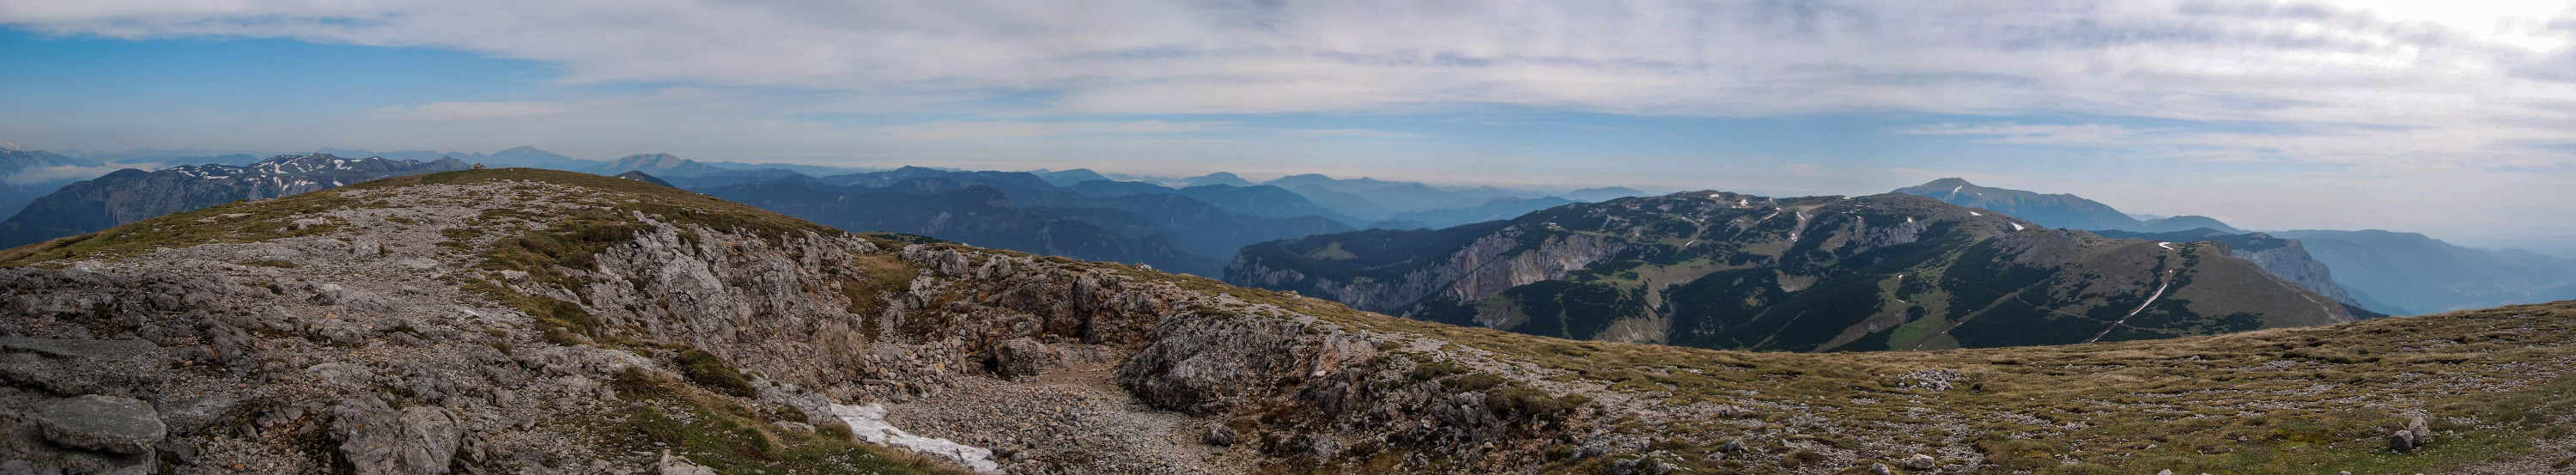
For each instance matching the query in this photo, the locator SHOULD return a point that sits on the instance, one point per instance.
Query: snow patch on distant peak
(1973, 213)
(1955, 189)
(2167, 245)
(869, 423)
(2016, 226)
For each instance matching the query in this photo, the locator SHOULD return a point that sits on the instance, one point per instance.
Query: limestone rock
(1926, 462)
(1021, 357)
(105, 423)
(1218, 435)
(68, 366)
(415, 440)
(680, 466)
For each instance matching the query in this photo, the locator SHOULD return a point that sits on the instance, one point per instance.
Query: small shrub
(1473, 382)
(1802, 458)
(636, 383)
(1430, 370)
(837, 430)
(706, 370)
(654, 427)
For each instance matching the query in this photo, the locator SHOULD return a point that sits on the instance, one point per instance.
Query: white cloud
(437, 111)
(973, 130)
(2030, 134)
(2393, 63)
(60, 173)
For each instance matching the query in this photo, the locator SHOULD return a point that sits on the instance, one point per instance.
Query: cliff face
(2292, 263)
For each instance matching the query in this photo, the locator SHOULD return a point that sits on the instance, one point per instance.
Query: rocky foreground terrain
(523, 321)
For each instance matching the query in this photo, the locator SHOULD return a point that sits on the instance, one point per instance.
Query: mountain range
(2385, 272)
(1216, 214)
(131, 195)
(533, 321)
(1190, 229)
(1724, 270)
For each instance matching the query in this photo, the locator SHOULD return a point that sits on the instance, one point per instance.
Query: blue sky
(2457, 120)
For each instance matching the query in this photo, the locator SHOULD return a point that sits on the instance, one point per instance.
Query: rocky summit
(525, 321)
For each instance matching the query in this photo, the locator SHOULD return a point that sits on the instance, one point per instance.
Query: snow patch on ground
(869, 423)
(2167, 245)
(2016, 226)
(1973, 213)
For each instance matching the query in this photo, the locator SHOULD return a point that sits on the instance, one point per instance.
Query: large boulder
(414, 440)
(1021, 357)
(103, 423)
(2415, 435)
(671, 465)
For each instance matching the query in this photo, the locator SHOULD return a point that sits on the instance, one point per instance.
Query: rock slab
(104, 423)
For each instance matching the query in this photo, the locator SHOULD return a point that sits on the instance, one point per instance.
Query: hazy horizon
(2451, 120)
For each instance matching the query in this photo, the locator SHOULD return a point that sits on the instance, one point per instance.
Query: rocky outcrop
(71, 366)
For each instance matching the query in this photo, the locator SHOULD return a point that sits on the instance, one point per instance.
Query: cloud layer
(2203, 60)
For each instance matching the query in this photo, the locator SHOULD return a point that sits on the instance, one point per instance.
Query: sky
(2456, 119)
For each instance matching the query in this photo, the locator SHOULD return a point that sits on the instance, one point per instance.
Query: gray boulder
(1219, 435)
(680, 466)
(1021, 357)
(415, 440)
(2415, 435)
(104, 423)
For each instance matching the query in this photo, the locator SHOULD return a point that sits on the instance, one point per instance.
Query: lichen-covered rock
(105, 423)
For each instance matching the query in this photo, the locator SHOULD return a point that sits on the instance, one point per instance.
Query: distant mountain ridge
(1190, 230)
(2284, 258)
(1724, 270)
(133, 195)
(2416, 274)
(2062, 211)
(29, 174)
